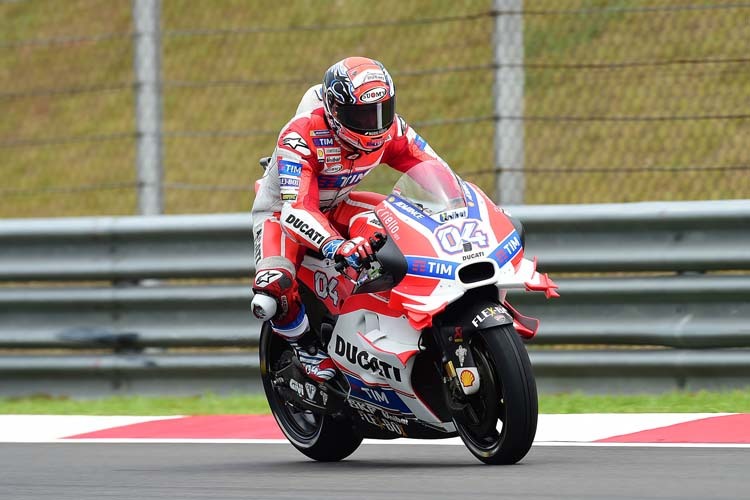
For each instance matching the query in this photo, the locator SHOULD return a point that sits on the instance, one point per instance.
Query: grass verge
(621, 102)
(737, 401)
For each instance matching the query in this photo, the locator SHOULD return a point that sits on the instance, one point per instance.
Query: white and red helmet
(360, 102)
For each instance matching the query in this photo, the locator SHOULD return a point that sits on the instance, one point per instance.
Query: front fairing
(479, 247)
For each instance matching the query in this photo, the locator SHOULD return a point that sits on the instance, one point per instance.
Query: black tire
(507, 393)
(320, 437)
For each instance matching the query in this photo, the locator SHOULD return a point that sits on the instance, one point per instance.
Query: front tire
(507, 394)
(321, 437)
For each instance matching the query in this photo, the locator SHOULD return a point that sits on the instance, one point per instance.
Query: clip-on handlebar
(376, 242)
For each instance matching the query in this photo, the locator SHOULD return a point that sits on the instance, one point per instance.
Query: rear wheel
(321, 437)
(506, 404)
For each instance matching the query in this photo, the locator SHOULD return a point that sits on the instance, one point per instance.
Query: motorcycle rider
(342, 130)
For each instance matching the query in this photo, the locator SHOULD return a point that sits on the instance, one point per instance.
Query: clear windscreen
(432, 186)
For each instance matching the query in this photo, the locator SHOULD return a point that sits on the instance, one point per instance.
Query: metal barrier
(126, 248)
(692, 327)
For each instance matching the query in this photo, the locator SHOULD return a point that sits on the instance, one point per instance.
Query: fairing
(446, 259)
(448, 242)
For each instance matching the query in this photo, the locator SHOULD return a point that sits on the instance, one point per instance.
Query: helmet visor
(368, 119)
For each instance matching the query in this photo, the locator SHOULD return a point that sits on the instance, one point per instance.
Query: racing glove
(356, 252)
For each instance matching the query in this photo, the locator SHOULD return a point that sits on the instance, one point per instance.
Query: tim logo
(340, 181)
(510, 245)
(433, 268)
(290, 168)
(418, 266)
(375, 395)
(323, 141)
(508, 248)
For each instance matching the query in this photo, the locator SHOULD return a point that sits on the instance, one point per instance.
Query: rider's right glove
(356, 252)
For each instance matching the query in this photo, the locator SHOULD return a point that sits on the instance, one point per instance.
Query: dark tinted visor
(367, 118)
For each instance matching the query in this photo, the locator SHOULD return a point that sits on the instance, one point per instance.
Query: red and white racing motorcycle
(425, 342)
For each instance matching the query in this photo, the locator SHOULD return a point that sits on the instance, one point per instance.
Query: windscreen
(432, 186)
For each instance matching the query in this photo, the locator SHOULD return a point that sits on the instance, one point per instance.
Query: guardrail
(681, 327)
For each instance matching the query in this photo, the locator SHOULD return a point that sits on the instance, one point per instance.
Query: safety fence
(653, 296)
(107, 103)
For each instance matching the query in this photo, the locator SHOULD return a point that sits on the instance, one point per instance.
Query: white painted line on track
(46, 428)
(594, 426)
(645, 445)
(552, 430)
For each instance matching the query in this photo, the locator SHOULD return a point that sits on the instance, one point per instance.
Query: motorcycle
(425, 342)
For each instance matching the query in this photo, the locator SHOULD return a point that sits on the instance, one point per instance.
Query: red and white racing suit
(305, 197)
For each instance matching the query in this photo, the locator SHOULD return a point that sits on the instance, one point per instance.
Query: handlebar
(376, 242)
(340, 265)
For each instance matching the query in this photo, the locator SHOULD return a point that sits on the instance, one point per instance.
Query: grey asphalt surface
(275, 471)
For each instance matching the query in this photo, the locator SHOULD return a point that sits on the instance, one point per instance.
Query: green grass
(214, 82)
(206, 404)
(737, 401)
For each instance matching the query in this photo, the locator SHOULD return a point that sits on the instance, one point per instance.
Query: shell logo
(467, 378)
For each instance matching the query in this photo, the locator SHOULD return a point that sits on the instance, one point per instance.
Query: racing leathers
(305, 200)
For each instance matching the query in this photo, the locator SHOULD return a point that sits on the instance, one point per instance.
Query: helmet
(360, 102)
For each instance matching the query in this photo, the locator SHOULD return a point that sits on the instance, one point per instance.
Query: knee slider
(274, 288)
(264, 307)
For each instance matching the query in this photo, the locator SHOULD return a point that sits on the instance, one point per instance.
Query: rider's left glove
(356, 252)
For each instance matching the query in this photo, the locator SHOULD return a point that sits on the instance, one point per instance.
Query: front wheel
(505, 407)
(321, 437)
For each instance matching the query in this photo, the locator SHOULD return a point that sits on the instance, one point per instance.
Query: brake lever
(341, 264)
(377, 241)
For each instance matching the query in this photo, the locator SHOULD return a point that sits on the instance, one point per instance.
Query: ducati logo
(305, 229)
(355, 356)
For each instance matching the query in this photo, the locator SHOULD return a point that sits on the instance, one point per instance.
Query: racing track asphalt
(85, 471)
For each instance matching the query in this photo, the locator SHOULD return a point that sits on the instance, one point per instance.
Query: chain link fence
(619, 100)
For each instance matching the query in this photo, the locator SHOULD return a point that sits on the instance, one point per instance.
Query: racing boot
(317, 364)
(276, 298)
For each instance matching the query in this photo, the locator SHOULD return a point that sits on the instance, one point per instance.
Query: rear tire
(507, 393)
(320, 437)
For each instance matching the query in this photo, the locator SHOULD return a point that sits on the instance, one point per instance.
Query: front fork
(459, 369)
(460, 373)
